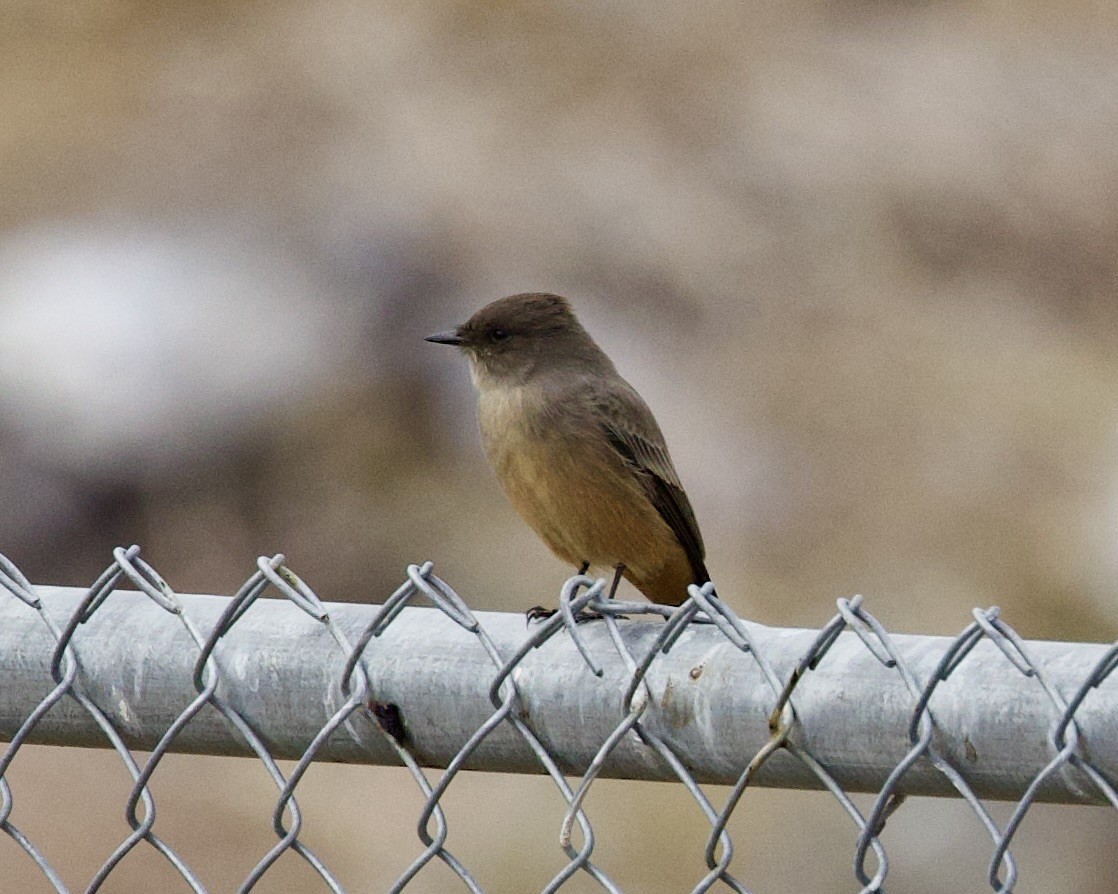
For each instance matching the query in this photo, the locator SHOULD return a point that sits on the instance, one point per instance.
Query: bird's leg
(539, 613)
(618, 572)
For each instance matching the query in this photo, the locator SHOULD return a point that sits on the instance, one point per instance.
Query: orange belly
(584, 502)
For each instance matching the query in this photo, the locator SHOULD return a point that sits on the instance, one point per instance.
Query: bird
(576, 449)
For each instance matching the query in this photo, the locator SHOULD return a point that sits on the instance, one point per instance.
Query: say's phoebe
(576, 449)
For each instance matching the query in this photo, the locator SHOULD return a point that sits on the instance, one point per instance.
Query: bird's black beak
(445, 338)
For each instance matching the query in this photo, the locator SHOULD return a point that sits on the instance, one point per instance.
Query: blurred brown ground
(859, 257)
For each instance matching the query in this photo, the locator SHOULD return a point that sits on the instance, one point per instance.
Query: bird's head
(510, 340)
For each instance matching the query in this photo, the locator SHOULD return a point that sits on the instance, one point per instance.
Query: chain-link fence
(693, 694)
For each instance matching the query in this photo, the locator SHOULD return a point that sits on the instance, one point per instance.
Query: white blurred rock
(128, 343)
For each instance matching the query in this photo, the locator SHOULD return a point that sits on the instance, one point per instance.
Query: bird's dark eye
(499, 334)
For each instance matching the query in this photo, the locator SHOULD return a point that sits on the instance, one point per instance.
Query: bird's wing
(633, 432)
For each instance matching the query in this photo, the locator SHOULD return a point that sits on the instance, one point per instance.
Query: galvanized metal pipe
(280, 670)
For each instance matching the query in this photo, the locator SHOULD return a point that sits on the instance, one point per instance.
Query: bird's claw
(539, 613)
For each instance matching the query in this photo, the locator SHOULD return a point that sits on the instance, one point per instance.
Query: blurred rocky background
(860, 257)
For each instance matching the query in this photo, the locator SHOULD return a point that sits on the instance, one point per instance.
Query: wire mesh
(849, 708)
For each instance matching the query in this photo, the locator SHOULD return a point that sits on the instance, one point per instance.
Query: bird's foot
(539, 613)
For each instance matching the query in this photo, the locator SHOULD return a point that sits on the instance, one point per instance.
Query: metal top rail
(280, 670)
